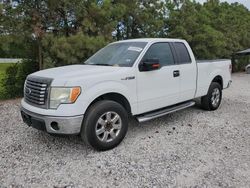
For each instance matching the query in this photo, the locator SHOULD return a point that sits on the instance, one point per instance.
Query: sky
(244, 2)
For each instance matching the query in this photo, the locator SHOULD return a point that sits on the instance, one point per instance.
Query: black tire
(89, 126)
(206, 101)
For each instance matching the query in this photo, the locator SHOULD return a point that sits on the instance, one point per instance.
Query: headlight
(63, 95)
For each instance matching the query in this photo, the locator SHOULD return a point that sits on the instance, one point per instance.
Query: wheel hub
(108, 126)
(215, 99)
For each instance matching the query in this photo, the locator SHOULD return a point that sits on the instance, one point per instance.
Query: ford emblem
(28, 91)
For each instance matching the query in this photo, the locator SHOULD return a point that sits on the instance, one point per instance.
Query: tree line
(54, 33)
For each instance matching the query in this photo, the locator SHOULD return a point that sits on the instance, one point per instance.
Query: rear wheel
(213, 98)
(105, 125)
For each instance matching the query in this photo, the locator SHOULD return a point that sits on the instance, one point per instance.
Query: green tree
(70, 50)
(233, 20)
(192, 22)
(142, 19)
(214, 30)
(55, 32)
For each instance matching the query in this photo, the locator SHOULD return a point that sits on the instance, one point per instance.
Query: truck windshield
(121, 54)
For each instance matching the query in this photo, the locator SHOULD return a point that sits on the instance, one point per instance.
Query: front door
(158, 88)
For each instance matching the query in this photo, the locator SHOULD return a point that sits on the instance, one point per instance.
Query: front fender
(105, 87)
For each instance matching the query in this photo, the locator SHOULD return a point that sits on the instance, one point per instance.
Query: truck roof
(152, 40)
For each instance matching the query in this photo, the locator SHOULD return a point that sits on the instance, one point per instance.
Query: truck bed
(211, 61)
(207, 70)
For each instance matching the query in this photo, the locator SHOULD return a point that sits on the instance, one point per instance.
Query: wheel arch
(218, 79)
(114, 96)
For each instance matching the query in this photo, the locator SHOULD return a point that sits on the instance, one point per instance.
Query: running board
(155, 114)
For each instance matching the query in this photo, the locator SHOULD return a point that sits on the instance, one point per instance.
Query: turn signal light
(75, 92)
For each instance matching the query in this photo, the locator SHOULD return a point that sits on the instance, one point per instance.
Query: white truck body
(144, 91)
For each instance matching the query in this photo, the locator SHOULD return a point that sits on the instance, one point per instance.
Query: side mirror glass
(149, 65)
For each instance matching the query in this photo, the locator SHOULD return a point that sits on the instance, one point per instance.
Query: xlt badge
(129, 78)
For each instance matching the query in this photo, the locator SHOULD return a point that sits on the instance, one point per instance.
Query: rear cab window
(182, 53)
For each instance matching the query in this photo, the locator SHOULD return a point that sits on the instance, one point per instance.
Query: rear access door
(187, 70)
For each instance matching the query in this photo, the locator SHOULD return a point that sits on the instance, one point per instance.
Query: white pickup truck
(144, 78)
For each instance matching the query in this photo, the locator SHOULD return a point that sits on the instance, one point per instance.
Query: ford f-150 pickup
(143, 78)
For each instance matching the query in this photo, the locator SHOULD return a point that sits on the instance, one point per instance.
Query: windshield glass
(121, 54)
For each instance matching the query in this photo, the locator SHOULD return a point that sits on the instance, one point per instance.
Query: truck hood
(73, 72)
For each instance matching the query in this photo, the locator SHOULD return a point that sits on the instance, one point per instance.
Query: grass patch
(3, 67)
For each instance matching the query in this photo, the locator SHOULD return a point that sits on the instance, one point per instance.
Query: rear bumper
(53, 124)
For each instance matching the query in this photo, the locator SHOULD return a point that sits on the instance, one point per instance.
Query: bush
(8, 82)
(14, 78)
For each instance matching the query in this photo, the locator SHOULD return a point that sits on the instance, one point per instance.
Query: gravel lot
(191, 148)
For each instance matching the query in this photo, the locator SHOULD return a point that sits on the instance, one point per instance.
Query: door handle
(176, 73)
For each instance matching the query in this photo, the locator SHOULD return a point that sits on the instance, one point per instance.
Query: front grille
(36, 91)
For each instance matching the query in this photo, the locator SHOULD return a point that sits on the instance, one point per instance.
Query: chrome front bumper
(51, 124)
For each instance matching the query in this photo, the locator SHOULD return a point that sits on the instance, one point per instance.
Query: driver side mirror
(149, 65)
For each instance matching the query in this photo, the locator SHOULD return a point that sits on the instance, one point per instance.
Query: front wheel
(105, 125)
(213, 98)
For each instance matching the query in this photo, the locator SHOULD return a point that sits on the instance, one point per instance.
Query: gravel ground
(191, 148)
